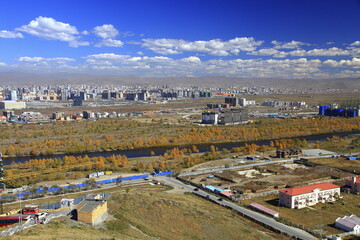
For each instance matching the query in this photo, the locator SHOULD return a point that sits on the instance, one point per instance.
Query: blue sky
(267, 38)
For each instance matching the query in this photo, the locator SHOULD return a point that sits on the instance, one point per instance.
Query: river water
(145, 152)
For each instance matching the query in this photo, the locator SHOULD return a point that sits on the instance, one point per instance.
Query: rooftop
(349, 221)
(88, 205)
(309, 188)
(357, 179)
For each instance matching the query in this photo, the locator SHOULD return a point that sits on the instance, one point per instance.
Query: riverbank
(157, 151)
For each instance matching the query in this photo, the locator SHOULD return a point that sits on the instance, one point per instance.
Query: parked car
(196, 189)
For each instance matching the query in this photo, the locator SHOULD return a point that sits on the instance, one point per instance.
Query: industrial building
(300, 197)
(348, 223)
(12, 105)
(233, 116)
(92, 210)
(338, 112)
(210, 118)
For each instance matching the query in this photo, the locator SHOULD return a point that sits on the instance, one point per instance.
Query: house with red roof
(354, 184)
(300, 197)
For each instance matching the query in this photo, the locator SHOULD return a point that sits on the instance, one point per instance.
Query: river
(145, 152)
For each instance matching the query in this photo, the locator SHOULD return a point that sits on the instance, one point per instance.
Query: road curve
(271, 222)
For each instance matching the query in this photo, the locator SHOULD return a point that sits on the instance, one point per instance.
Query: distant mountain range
(27, 79)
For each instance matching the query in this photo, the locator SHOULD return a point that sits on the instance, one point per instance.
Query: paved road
(292, 231)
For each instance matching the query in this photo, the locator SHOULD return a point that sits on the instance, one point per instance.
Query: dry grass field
(148, 212)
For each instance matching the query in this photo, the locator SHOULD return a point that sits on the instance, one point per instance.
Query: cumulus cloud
(8, 34)
(288, 45)
(106, 31)
(49, 28)
(334, 51)
(215, 47)
(2, 64)
(110, 43)
(164, 66)
(191, 59)
(356, 43)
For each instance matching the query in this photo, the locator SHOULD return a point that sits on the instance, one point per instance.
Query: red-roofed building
(354, 184)
(310, 195)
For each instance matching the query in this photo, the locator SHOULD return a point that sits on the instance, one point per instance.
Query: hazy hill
(18, 78)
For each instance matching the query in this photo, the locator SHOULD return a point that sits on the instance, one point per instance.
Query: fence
(81, 185)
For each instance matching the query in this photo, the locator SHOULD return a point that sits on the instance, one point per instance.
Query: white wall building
(12, 105)
(243, 102)
(348, 223)
(310, 195)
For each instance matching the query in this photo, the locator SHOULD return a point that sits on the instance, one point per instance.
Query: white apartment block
(310, 195)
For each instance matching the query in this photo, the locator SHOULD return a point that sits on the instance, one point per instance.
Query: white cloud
(8, 34)
(191, 59)
(106, 31)
(356, 43)
(76, 44)
(140, 53)
(288, 45)
(49, 28)
(2, 64)
(39, 59)
(215, 47)
(334, 51)
(110, 43)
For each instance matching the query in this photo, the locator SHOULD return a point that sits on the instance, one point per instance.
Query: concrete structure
(13, 95)
(353, 184)
(92, 210)
(209, 118)
(243, 102)
(12, 105)
(78, 101)
(88, 114)
(310, 195)
(132, 96)
(294, 104)
(288, 152)
(233, 116)
(232, 101)
(33, 117)
(349, 223)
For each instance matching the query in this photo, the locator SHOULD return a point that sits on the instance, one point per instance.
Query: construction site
(268, 177)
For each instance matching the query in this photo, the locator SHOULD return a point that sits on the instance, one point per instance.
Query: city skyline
(261, 39)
